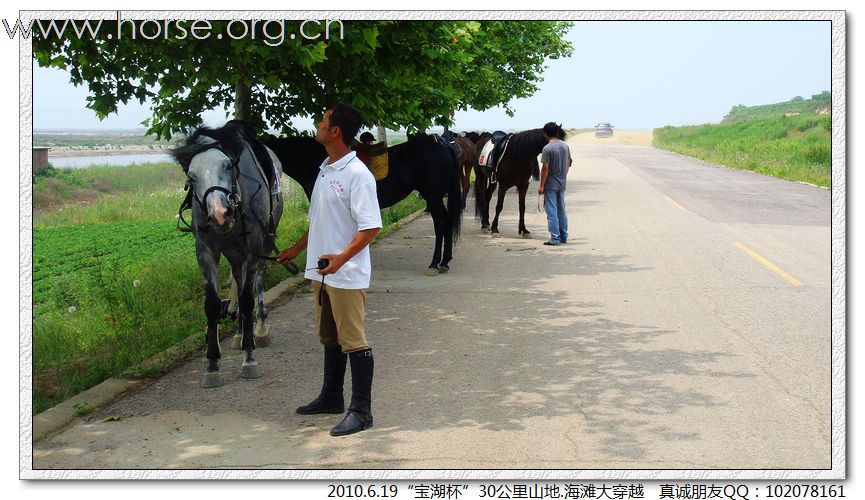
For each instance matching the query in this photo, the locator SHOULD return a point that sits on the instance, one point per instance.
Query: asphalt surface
(685, 325)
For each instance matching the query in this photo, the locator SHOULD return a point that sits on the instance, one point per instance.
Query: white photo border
(838, 250)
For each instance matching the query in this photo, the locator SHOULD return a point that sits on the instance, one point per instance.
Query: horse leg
(483, 201)
(448, 247)
(466, 180)
(229, 305)
(448, 243)
(231, 310)
(260, 333)
(499, 205)
(213, 310)
(439, 217)
(490, 190)
(246, 300)
(522, 189)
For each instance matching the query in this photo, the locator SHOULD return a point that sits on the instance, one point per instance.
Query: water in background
(114, 160)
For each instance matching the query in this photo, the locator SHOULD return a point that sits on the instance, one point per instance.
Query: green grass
(822, 101)
(113, 282)
(794, 148)
(55, 187)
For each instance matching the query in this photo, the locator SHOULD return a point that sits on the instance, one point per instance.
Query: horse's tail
(455, 199)
(536, 170)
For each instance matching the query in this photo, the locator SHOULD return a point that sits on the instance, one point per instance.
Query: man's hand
(287, 255)
(360, 241)
(334, 263)
(290, 253)
(541, 189)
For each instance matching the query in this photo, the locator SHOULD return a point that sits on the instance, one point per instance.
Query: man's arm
(544, 172)
(360, 241)
(289, 254)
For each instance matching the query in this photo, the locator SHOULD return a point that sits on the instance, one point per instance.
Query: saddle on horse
(448, 141)
(374, 156)
(492, 153)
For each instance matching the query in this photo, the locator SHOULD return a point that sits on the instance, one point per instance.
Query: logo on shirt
(336, 186)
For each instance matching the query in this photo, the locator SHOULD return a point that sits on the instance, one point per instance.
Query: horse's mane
(230, 138)
(528, 143)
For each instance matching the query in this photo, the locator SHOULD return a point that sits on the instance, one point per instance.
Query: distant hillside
(817, 104)
(790, 147)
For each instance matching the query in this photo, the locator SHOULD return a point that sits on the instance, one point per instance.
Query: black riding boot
(359, 416)
(331, 399)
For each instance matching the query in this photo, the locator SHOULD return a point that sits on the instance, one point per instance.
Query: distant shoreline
(73, 151)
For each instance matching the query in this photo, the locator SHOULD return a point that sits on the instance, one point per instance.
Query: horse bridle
(232, 195)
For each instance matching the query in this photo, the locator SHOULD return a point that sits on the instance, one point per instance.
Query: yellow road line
(772, 267)
(675, 204)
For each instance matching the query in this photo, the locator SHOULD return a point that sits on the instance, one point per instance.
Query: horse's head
(214, 185)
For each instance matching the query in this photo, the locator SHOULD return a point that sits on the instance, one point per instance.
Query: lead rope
(321, 289)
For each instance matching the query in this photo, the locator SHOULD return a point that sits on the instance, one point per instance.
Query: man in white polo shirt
(344, 219)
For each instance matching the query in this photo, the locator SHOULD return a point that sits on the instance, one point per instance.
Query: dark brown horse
(518, 163)
(467, 160)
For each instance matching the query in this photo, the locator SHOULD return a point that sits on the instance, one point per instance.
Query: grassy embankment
(770, 140)
(113, 282)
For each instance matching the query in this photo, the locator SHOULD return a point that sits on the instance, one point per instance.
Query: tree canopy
(398, 73)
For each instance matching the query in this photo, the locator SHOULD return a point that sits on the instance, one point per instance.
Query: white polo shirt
(343, 202)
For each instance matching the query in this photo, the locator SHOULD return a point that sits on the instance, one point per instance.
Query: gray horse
(236, 204)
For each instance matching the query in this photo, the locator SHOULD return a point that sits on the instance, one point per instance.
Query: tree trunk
(242, 99)
(382, 134)
(446, 129)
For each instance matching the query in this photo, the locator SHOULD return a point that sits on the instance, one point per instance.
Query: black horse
(518, 163)
(421, 164)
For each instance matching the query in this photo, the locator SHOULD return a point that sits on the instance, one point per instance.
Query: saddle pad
(275, 188)
(485, 153)
(378, 165)
(273, 178)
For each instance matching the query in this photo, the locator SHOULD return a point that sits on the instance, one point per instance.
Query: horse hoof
(527, 235)
(211, 380)
(250, 370)
(431, 271)
(444, 269)
(496, 235)
(485, 229)
(237, 342)
(262, 341)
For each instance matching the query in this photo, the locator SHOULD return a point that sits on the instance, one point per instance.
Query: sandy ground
(620, 137)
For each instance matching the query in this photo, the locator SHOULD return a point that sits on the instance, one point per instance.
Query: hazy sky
(634, 74)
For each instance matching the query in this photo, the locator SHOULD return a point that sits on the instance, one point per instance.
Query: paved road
(686, 325)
